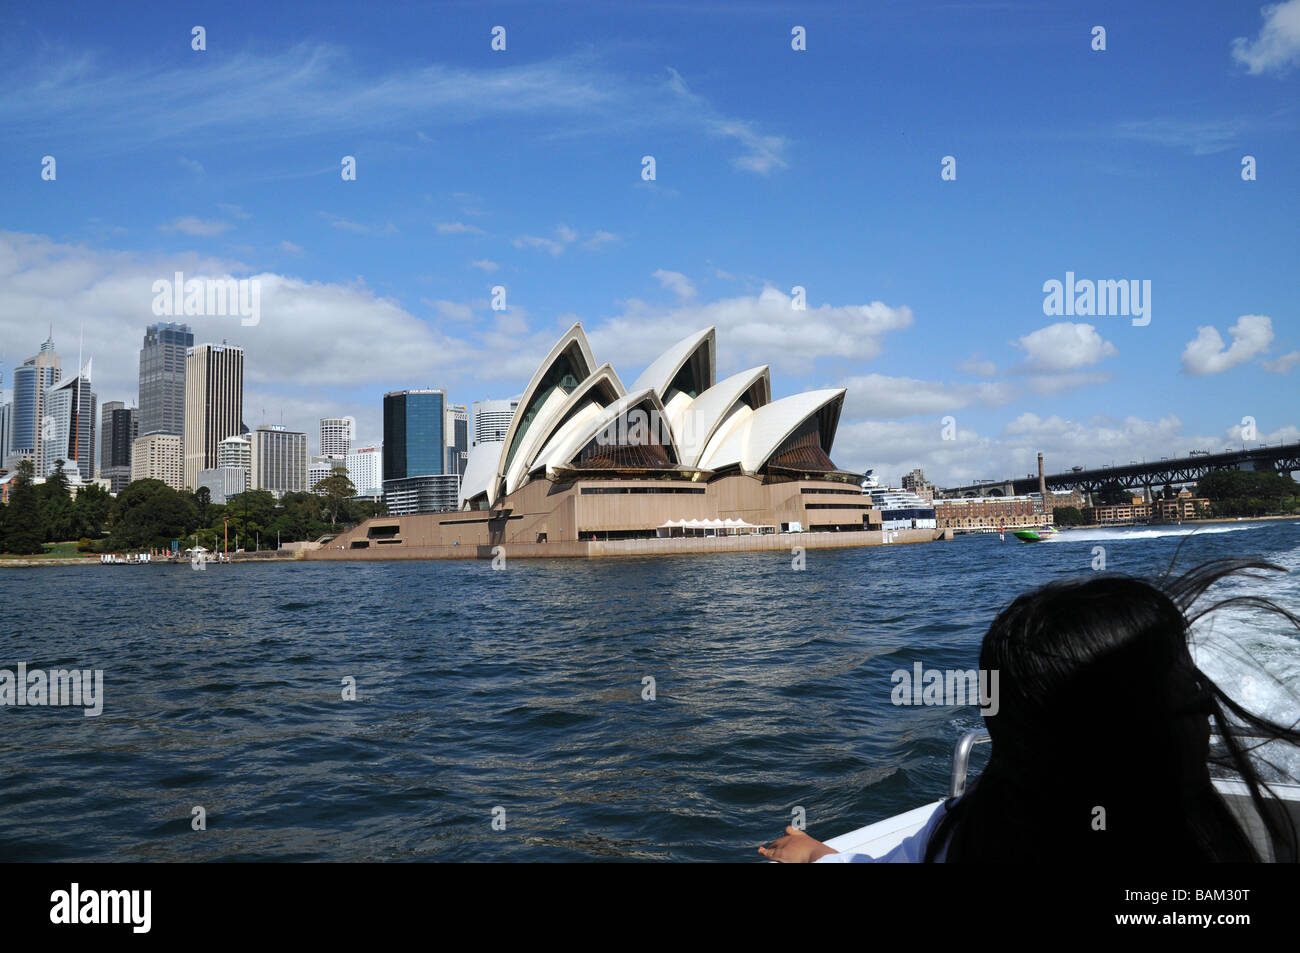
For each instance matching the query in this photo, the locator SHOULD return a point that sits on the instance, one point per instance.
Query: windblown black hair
(1101, 737)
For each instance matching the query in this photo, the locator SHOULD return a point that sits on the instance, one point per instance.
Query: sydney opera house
(677, 462)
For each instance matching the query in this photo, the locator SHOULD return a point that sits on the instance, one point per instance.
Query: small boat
(1041, 535)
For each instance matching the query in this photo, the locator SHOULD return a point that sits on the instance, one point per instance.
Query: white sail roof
(574, 347)
(695, 424)
(659, 375)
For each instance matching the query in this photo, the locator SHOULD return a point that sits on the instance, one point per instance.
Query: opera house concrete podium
(677, 462)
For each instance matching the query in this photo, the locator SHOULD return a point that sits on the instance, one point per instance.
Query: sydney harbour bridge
(1145, 476)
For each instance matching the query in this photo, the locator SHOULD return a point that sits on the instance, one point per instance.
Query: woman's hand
(796, 847)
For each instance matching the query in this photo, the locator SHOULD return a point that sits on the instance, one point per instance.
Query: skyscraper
(492, 419)
(158, 456)
(162, 378)
(31, 381)
(415, 453)
(214, 404)
(336, 436)
(456, 431)
(413, 433)
(68, 427)
(117, 431)
(366, 470)
(279, 460)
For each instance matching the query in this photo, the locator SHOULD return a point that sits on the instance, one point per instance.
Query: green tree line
(1249, 492)
(148, 514)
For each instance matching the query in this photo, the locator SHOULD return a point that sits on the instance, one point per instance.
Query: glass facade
(414, 434)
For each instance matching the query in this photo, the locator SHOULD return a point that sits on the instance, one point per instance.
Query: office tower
(6, 426)
(492, 419)
(319, 469)
(279, 460)
(366, 470)
(336, 436)
(214, 404)
(223, 482)
(68, 428)
(158, 456)
(456, 430)
(415, 453)
(117, 431)
(413, 433)
(31, 381)
(237, 452)
(162, 378)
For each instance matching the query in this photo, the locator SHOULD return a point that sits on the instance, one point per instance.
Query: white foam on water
(1090, 535)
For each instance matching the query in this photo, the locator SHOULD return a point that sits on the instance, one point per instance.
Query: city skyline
(763, 185)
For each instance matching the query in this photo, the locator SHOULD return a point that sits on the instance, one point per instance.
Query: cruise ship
(899, 509)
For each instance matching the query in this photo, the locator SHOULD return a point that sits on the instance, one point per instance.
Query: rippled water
(522, 689)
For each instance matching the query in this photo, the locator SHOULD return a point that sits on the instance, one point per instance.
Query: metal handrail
(961, 759)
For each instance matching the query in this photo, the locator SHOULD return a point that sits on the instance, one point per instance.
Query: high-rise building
(431, 493)
(32, 379)
(415, 451)
(336, 436)
(214, 404)
(366, 470)
(6, 429)
(237, 451)
(162, 378)
(491, 419)
(279, 460)
(158, 456)
(224, 482)
(68, 427)
(456, 430)
(319, 469)
(117, 431)
(413, 433)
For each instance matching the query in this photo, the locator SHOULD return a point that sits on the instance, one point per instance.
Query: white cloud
(196, 227)
(484, 264)
(1277, 48)
(1065, 346)
(314, 340)
(290, 247)
(1283, 364)
(677, 283)
(359, 227)
(978, 367)
(762, 154)
(194, 165)
(458, 228)
(1205, 354)
(877, 396)
(564, 237)
(454, 310)
(752, 329)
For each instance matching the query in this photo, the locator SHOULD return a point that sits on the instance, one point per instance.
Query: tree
(22, 517)
(336, 492)
(150, 514)
(58, 519)
(90, 510)
(1067, 516)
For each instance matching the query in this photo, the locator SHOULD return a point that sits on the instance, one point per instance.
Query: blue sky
(775, 168)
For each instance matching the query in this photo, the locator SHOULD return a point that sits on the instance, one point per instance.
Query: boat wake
(1090, 535)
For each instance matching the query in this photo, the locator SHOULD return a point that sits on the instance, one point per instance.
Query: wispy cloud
(1277, 48)
(197, 227)
(762, 154)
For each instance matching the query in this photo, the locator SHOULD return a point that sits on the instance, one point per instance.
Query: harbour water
(524, 689)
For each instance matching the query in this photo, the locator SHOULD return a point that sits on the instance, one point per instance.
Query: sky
(925, 278)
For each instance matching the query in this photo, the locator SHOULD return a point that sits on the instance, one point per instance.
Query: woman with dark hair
(1101, 737)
